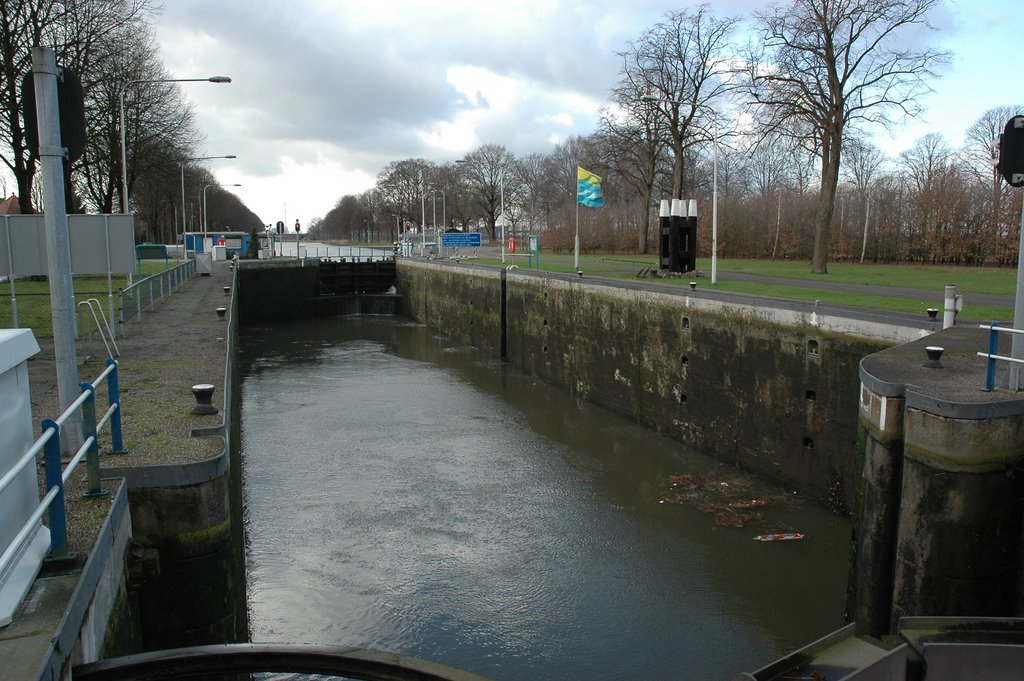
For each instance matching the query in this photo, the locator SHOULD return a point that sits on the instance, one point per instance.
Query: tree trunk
(867, 215)
(644, 230)
(778, 226)
(826, 202)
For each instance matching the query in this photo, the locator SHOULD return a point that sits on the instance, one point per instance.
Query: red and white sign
(296, 226)
(222, 242)
(512, 244)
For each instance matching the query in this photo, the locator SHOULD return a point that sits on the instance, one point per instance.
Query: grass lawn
(930, 280)
(33, 297)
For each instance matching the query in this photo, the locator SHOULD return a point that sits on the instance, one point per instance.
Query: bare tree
(833, 64)
(865, 162)
(400, 188)
(635, 135)
(23, 25)
(983, 149)
(488, 173)
(83, 33)
(682, 66)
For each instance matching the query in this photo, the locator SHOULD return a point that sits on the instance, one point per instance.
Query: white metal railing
(993, 346)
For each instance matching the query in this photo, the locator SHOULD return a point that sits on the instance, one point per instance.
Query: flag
(588, 189)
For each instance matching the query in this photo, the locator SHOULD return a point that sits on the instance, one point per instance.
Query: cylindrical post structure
(677, 220)
(691, 236)
(664, 228)
(949, 306)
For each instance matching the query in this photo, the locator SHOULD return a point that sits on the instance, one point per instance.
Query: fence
(26, 304)
(49, 443)
(145, 293)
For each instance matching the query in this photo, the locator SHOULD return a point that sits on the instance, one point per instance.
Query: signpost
(533, 249)
(460, 239)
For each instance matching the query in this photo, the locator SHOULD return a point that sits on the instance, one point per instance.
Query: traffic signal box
(1011, 152)
(678, 236)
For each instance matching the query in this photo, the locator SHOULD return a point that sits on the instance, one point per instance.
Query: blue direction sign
(460, 239)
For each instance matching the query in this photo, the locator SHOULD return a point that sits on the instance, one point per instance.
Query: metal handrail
(239, 658)
(93, 305)
(172, 277)
(993, 346)
(49, 442)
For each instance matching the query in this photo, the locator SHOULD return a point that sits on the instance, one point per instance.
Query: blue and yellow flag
(588, 189)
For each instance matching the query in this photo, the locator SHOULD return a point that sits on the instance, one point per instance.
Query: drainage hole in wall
(808, 443)
(812, 347)
(686, 323)
(811, 396)
(682, 399)
(684, 360)
(545, 322)
(545, 349)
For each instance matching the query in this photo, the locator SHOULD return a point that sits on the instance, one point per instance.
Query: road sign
(512, 244)
(296, 226)
(460, 239)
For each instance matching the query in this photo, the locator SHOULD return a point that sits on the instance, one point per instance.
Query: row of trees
(783, 118)
(933, 204)
(111, 45)
(787, 117)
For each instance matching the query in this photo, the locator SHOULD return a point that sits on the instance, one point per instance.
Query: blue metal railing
(993, 348)
(49, 443)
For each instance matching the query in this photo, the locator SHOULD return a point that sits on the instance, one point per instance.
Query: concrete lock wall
(940, 529)
(777, 400)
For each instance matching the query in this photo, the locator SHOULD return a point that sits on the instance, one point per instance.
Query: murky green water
(406, 495)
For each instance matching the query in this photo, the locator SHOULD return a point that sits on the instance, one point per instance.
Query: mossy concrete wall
(773, 398)
(940, 529)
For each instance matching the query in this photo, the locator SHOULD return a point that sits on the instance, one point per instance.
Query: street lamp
(184, 226)
(206, 216)
(124, 152)
(714, 180)
(433, 196)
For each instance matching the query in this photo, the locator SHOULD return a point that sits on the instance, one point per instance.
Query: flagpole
(576, 260)
(576, 250)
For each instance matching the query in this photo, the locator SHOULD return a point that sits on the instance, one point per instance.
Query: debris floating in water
(726, 498)
(783, 536)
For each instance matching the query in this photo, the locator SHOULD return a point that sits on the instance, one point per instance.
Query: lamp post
(124, 152)
(714, 177)
(184, 227)
(206, 215)
(437, 234)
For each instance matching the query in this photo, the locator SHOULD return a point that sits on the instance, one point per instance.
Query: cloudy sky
(325, 93)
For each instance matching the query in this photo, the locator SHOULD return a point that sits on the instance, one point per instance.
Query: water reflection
(407, 495)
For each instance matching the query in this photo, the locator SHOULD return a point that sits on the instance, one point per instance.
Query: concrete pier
(940, 529)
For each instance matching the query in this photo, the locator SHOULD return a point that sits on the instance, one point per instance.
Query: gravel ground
(179, 344)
